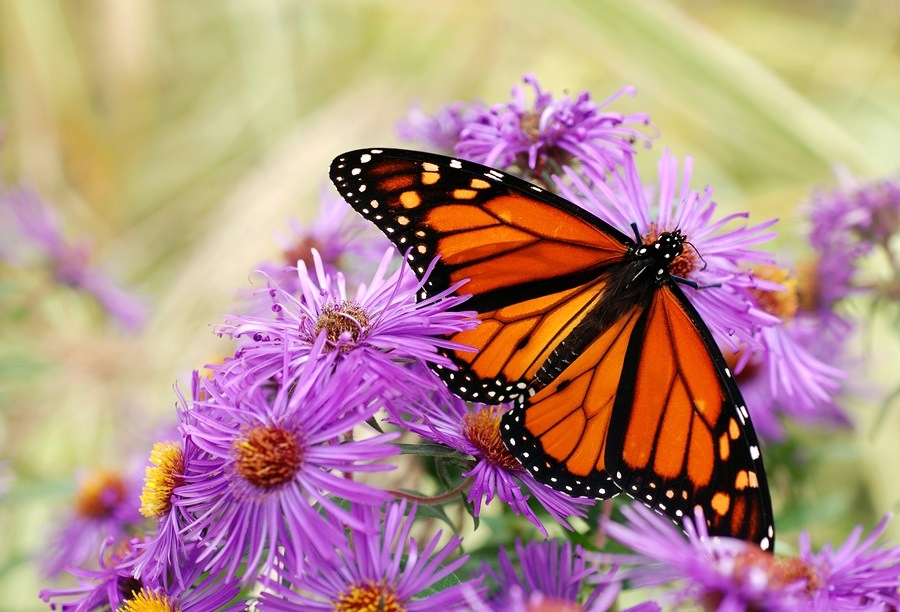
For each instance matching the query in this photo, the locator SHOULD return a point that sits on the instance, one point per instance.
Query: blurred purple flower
(714, 258)
(439, 132)
(856, 576)
(114, 587)
(856, 216)
(716, 573)
(847, 223)
(787, 377)
(560, 130)
(273, 452)
(104, 506)
(475, 431)
(343, 239)
(379, 568)
(553, 575)
(31, 230)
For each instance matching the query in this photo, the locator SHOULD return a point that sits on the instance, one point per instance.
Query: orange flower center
(369, 597)
(348, 317)
(782, 304)
(482, 429)
(100, 494)
(267, 456)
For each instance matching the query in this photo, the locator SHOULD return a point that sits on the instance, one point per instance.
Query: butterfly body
(617, 382)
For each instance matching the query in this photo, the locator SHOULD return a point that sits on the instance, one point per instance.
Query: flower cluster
(281, 478)
(728, 574)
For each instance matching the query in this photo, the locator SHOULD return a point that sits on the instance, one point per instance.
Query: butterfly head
(662, 252)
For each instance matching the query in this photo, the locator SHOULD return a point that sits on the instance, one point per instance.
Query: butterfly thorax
(629, 285)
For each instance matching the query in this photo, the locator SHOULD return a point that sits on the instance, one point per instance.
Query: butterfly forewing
(529, 259)
(508, 239)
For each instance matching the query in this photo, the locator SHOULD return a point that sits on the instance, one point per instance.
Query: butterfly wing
(680, 432)
(531, 261)
(560, 433)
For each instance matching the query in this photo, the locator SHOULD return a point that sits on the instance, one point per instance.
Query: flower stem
(437, 499)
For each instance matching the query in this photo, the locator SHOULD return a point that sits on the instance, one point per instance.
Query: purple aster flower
(847, 223)
(114, 587)
(342, 238)
(856, 576)
(553, 575)
(475, 431)
(272, 455)
(857, 215)
(551, 132)
(716, 573)
(379, 568)
(376, 332)
(104, 506)
(35, 232)
(788, 377)
(440, 131)
(718, 258)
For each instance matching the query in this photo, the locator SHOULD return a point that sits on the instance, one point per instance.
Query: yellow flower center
(160, 481)
(100, 494)
(149, 601)
(369, 597)
(338, 319)
(267, 456)
(782, 304)
(482, 429)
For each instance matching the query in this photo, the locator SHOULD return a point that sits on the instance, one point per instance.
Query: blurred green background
(181, 136)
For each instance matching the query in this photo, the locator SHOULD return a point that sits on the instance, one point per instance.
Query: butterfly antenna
(698, 255)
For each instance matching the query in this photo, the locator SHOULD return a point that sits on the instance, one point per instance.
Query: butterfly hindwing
(680, 432)
(560, 433)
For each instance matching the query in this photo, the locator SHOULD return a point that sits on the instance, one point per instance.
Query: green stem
(437, 499)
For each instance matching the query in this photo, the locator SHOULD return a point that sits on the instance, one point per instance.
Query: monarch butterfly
(618, 383)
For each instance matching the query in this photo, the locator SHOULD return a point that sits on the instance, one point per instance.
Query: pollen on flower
(148, 600)
(778, 573)
(338, 319)
(161, 480)
(793, 569)
(551, 604)
(482, 429)
(267, 456)
(100, 494)
(809, 295)
(369, 597)
(783, 304)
